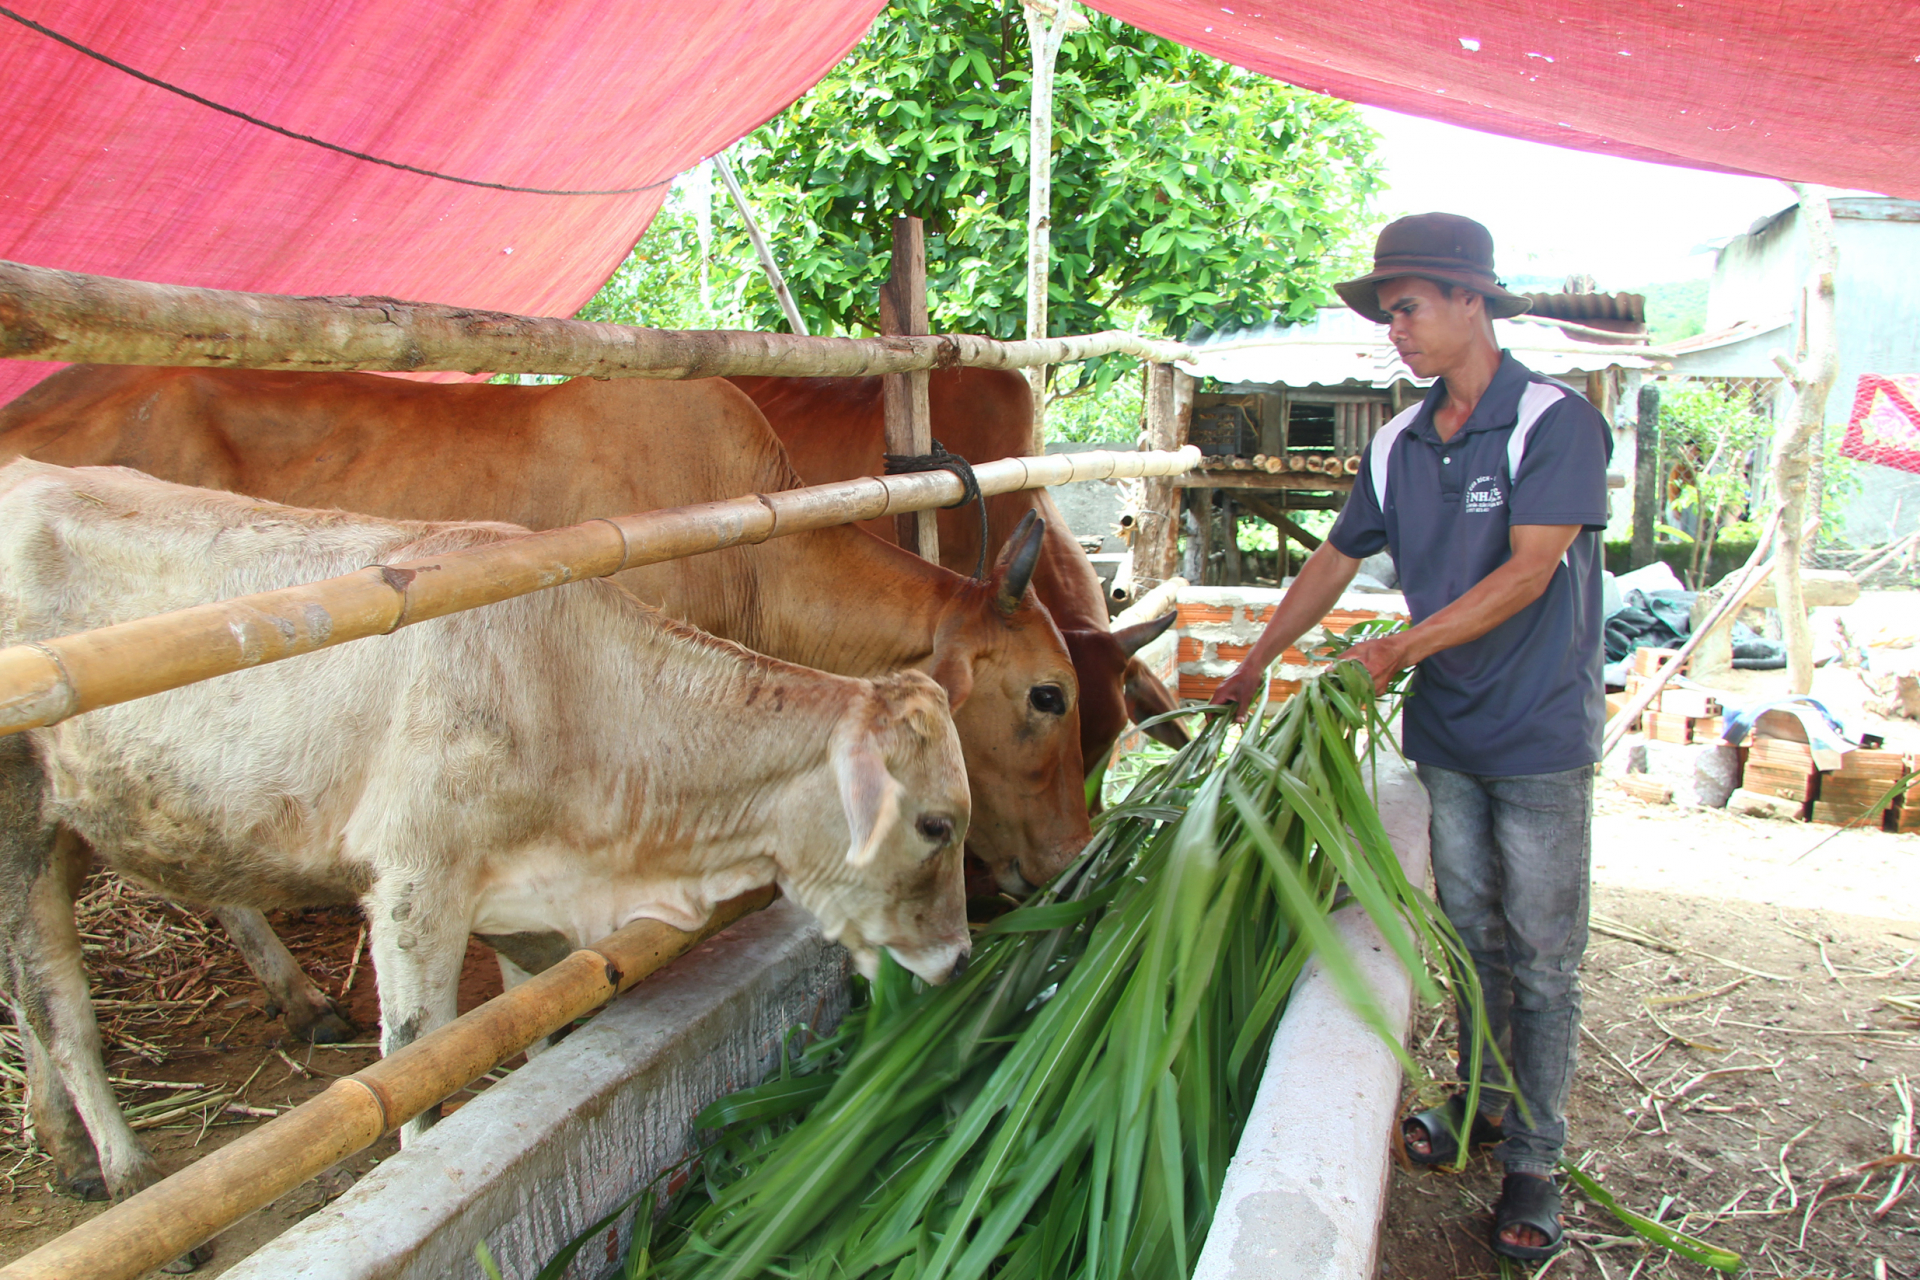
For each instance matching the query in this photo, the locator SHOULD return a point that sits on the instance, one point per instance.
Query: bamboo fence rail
(181, 1212)
(47, 681)
(62, 315)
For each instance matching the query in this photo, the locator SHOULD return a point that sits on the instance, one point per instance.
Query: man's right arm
(1321, 580)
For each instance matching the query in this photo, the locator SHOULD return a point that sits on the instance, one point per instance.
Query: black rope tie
(900, 464)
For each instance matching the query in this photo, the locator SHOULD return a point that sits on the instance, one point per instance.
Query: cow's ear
(868, 794)
(1146, 698)
(953, 671)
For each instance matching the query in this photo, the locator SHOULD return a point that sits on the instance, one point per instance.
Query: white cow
(540, 772)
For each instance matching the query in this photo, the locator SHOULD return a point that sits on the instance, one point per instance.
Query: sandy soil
(1733, 946)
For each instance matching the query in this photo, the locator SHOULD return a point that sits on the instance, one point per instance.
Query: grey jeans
(1510, 863)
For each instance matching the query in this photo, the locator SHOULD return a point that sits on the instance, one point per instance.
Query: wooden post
(1270, 512)
(1199, 536)
(903, 310)
(1646, 476)
(1812, 375)
(1156, 541)
(761, 248)
(1230, 571)
(1048, 22)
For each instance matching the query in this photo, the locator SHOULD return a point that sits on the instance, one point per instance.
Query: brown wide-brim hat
(1433, 246)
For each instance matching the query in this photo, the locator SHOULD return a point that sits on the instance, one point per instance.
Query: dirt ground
(196, 1059)
(1753, 1058)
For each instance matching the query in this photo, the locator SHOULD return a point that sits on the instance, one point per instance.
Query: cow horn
(1018, 561)
(1141, 634)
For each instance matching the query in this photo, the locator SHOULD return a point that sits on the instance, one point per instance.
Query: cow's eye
(1048, 699)
(938, 830)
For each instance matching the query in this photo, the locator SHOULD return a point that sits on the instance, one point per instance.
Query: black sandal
(1528, 1200)
(1442, 1127)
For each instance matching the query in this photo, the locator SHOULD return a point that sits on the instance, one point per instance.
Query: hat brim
(1363, 294)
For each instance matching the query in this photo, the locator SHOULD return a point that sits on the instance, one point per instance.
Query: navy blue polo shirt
(1527, 697)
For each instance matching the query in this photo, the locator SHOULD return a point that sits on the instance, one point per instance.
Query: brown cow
(837, 599)
(834, 429)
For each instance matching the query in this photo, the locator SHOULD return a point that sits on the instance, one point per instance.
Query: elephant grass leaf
(1068, 1107)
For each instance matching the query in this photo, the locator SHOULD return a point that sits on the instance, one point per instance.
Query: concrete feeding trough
(532, 1162)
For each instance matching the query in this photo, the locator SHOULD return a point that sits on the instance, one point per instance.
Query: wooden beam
(62, 315)
(1279, 519)
(903, 311)
(1308, 481)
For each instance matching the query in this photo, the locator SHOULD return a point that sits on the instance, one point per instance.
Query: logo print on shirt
(1484, 495)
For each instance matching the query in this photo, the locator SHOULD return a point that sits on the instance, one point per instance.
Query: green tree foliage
(1712, 435)
(1183, 187)
(1186, 192)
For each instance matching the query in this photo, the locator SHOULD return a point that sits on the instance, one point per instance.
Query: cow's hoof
(328, 1028)
(192, 1260)
(88, 1184)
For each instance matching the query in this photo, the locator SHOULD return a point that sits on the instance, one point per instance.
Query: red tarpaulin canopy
(1810, 90)
(110, 173)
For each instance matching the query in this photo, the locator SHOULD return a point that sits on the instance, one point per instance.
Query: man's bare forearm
(1488, 603)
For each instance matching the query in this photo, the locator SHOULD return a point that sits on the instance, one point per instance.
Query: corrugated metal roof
(1340, 347)
(1628, 307)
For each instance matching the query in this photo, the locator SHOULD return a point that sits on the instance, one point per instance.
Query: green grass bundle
(1069, 1106)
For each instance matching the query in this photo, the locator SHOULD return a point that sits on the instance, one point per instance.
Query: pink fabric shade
(110, 175)
(107, 174)
(1810, 90)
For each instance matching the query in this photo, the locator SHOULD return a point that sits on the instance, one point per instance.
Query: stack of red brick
(1866, 790)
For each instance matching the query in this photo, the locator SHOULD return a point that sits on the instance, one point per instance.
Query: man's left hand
(1384, 658)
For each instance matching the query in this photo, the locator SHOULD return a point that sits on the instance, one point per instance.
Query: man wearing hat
(1491, 497)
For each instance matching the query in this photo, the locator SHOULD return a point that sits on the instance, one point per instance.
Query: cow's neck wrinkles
(854, 605)
(734, 737)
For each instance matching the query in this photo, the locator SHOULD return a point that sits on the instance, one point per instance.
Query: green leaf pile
(1068, 1107)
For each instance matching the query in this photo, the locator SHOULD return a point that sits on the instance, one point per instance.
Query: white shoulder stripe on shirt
(1534, 403)
(1380, 449)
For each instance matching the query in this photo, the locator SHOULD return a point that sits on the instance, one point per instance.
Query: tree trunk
(1812, 375)
(1156, 502)
(1646, 477)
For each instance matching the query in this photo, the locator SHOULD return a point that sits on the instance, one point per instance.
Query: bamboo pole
(788, 307)
(61, 315)
(47, 681)
(1152, 604)
(1047, 26)
(194, 1205)
(1751, 575)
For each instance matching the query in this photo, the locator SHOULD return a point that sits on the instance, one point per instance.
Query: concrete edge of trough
(533, 1161)
(1306, 1190)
